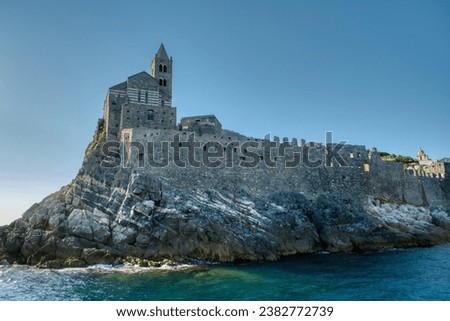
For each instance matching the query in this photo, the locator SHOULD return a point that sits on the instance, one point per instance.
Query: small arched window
(160, 67)
(165, 68)
(160, 82)
(139, 96)
(150, 114)
(165, 83)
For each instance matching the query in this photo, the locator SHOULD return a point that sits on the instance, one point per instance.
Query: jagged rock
(123, 234)
(144, 208)
(97, 256)
(73, 262)
(441, 219)
(93, 226)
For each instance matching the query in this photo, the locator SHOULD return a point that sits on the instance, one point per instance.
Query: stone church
(144, 101)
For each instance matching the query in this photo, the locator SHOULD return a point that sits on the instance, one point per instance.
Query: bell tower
(161, 70)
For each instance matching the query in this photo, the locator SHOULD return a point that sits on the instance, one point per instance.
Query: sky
(375, 73)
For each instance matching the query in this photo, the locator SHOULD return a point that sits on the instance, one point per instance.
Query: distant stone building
(423, 158)
(427, 167)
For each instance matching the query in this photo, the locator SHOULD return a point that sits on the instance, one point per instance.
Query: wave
(27, 283)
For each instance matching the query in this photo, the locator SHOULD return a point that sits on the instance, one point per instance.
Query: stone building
(423, 158)
(428, 167)
(143, 100)
(143, 104)
(207, 124)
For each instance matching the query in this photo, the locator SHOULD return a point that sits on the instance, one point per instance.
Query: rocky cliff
(116, 215)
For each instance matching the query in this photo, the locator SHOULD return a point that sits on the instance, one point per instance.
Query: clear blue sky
(375, 73)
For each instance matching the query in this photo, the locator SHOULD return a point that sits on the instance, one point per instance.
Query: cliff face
(114, 215)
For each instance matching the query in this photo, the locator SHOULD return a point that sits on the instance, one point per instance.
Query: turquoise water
(413, 274)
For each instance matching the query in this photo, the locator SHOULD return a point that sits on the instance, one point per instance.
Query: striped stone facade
(143, 100)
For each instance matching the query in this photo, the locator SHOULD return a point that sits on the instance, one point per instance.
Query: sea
(403, 274)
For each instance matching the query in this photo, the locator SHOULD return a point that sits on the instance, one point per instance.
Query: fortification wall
(292, 167)
(387, 180)
(361, 174)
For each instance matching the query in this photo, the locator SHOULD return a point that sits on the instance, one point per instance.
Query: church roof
(162, 53)
(141, 75)
(142, 80)
(121, 86)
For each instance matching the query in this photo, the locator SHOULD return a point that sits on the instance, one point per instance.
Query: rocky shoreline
(285, 224)
(143, 217)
